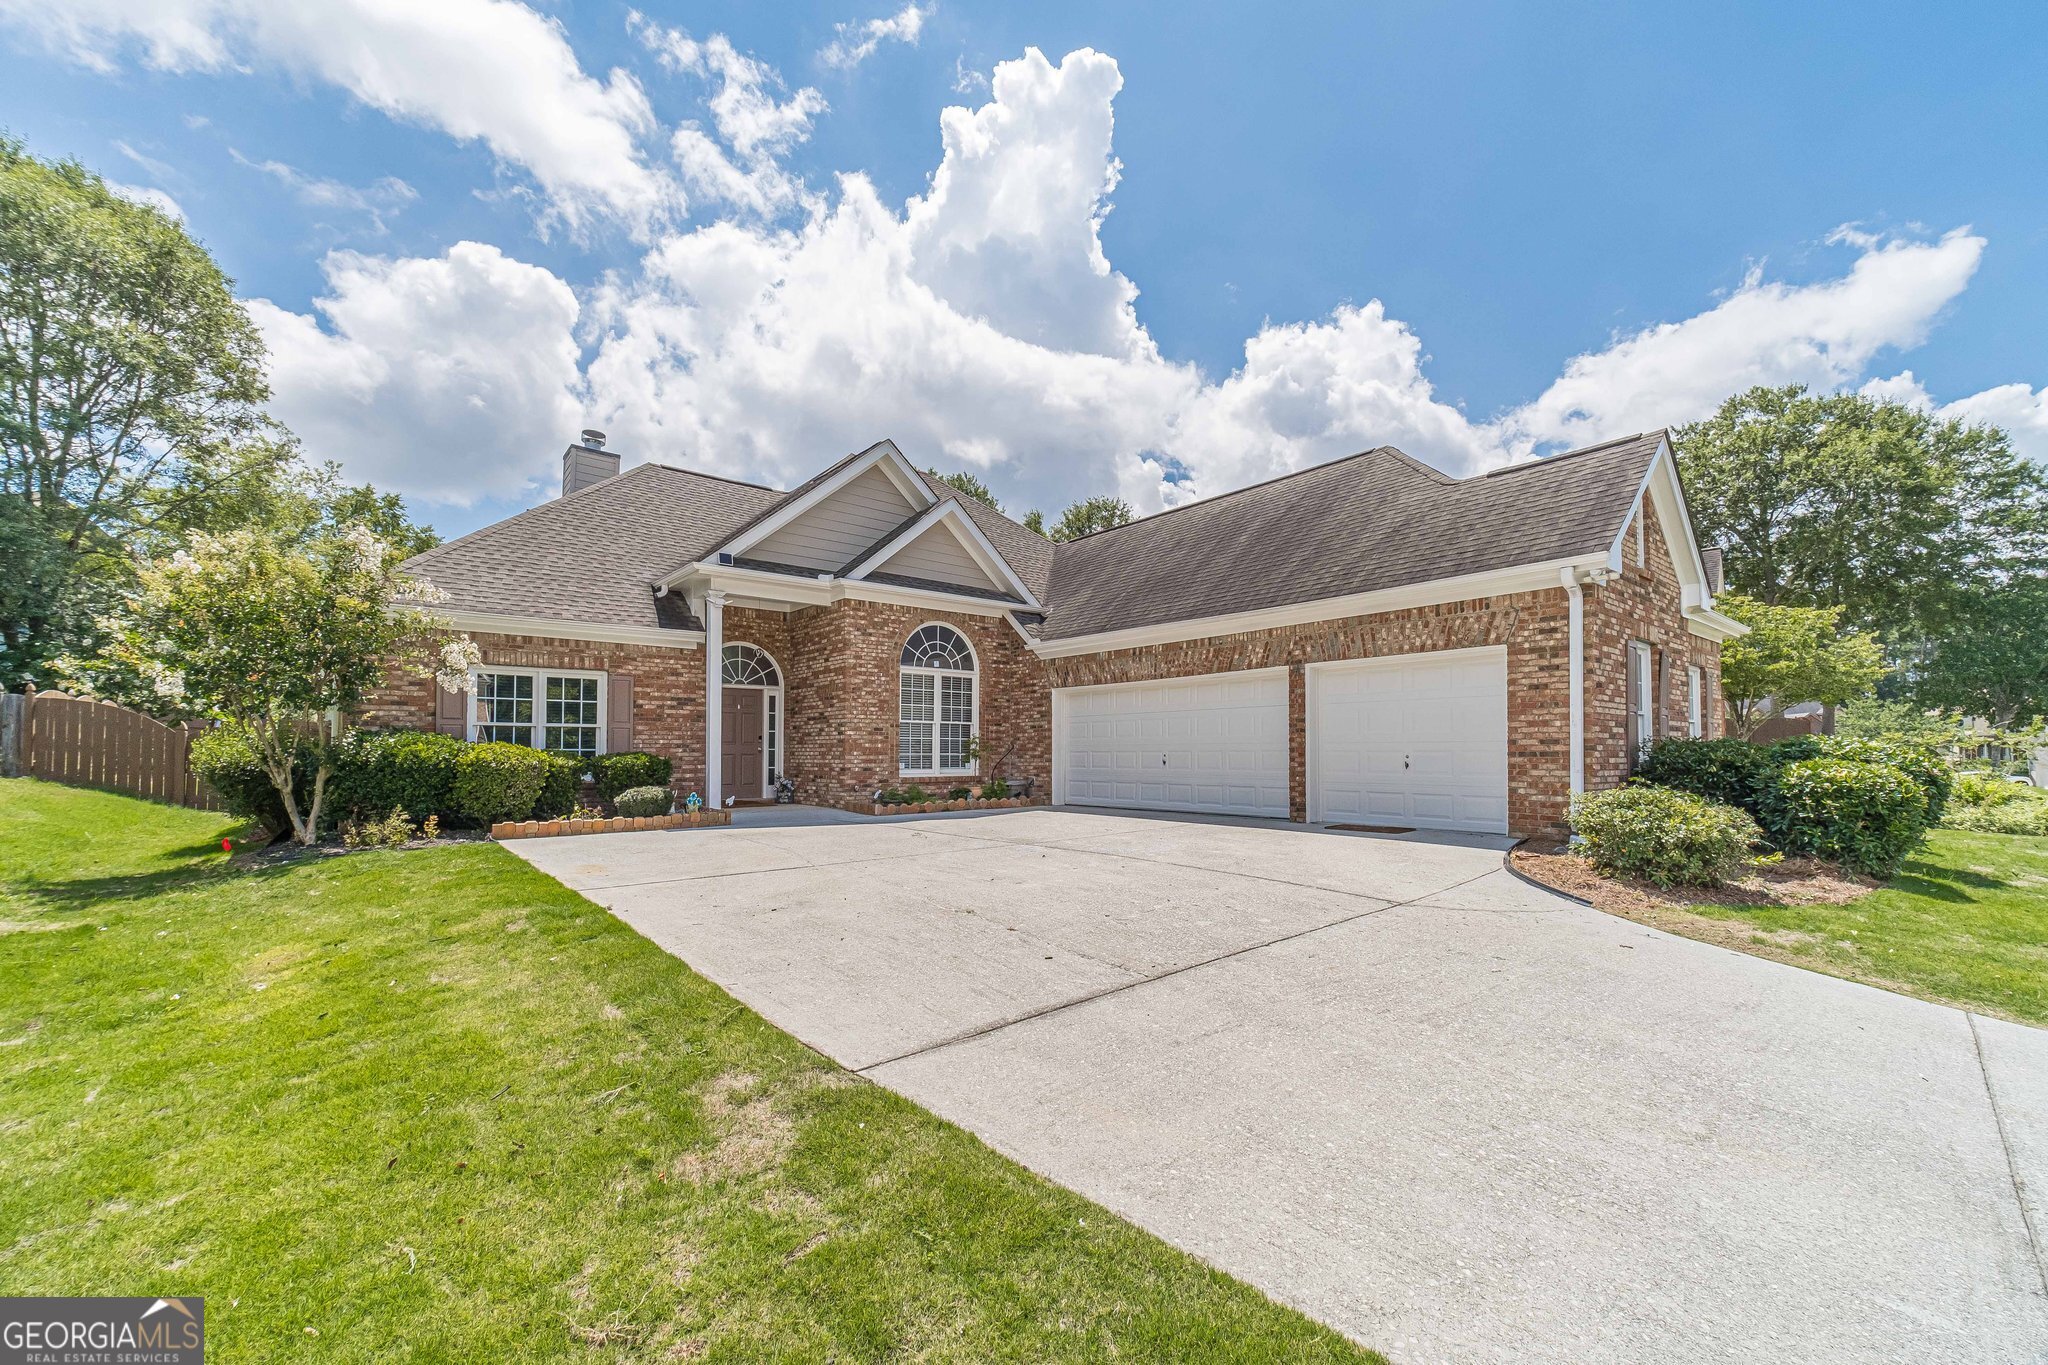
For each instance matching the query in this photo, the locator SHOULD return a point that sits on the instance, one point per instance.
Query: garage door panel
(1420, 741)
(1217, 743)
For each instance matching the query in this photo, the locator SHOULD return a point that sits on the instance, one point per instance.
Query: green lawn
(1966, 922)
(431, 1105)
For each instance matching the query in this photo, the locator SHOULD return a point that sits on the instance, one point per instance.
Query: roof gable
(855, 486)
(942, 546)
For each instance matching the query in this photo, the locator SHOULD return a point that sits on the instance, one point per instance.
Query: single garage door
(1415, 739)
(1217, 743)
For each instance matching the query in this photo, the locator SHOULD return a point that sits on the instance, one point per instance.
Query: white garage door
(1216, 743)
(1417, 739)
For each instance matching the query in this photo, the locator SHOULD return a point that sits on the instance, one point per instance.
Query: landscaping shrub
(913, 795)
(1661, 836)
(621, 772)
(388, 831)
(1991, 805)
(1866, 816)
(1733, 772)
(1921, 762)
(960, 794)
(504, 781)
(225, 760)
(561, 785)
(641, 801)
(995, 789)
(380, 771)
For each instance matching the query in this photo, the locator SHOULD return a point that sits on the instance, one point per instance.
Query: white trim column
(714, 695)
(1577, 611)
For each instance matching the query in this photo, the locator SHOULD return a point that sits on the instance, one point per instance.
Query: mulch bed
(1795, 881)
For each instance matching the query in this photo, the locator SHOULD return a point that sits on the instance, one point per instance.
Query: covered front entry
(1413, 739)
(750, 729)
(1215, 743)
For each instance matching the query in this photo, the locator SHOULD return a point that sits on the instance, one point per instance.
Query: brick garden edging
(929, 807)
(617, 824)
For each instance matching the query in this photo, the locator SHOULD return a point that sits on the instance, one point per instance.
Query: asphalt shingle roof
(594, 556)
(1372, 521)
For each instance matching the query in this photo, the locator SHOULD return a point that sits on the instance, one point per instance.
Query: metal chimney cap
(593, 438)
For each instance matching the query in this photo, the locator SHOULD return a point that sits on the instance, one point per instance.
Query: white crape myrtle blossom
(366, 552)
(458, 658)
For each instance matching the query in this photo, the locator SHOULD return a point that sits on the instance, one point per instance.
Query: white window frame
(1695, 702)
(1643, 703)
(540, 678)
(935, 674)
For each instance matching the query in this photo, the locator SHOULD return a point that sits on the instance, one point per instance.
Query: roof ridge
(1263, 483)
(1546, 460)
(706, 474)
(931, 476)
(540, 507)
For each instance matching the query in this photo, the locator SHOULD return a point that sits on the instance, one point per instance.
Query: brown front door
(741, 742)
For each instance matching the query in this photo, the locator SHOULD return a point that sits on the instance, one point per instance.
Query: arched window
(747, 666)
(936, 714)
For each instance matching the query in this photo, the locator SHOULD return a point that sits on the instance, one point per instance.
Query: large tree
(1877, 507)
(969, 484)
(131, 398)
(1991, 659)
(1089, 516)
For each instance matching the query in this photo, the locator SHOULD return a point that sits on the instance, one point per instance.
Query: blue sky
(1477, 234)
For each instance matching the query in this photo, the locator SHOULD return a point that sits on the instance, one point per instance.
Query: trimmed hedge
(561, 784)
(1865, 816)
(642, 801)
(495, 781)
(619, 773)
(1662, 836)
(1733, 772)
(378, 772)
(1921, 762)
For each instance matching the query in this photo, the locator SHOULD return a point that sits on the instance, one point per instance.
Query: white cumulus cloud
(386, 195)
(478, 70)
(982, 326)
(450, 378)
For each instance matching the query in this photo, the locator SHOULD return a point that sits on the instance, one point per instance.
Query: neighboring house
(1368, 641)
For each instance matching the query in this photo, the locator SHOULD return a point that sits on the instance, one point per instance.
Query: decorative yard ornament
(693, 803)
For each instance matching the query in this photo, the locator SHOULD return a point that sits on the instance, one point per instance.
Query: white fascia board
(597, 632)
(1660, 483)
(884, 453)
(971, 539)
(1712, 625)
(1522, 578)
(825, 590)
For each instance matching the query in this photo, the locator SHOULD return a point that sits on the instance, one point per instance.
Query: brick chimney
(587, 462)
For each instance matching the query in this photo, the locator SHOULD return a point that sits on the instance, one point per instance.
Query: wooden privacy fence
(85, 743)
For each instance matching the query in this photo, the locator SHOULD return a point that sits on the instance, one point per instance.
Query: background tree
(1876, 718)
(131, 392)
(1790, 655)
(1034, 521)
(1876, 507)
(274, 636)
(1088, 516)
(968, 484)
(1991, 658)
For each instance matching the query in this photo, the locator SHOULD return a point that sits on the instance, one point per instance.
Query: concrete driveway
(1457, 1117)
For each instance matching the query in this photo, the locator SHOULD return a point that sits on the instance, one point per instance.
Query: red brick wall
(843, 698)
(668, 692)
(1532, 625)
(1644, 603)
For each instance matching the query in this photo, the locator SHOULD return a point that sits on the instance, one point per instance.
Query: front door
(742, 741)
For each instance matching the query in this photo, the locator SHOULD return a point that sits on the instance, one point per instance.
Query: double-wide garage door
(1414, 739)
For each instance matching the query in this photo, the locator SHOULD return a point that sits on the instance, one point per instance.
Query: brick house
(1367, 641)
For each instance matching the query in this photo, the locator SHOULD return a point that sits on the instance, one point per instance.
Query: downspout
(1574, 598)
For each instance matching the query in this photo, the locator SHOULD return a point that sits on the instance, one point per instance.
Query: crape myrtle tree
(279, 637)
